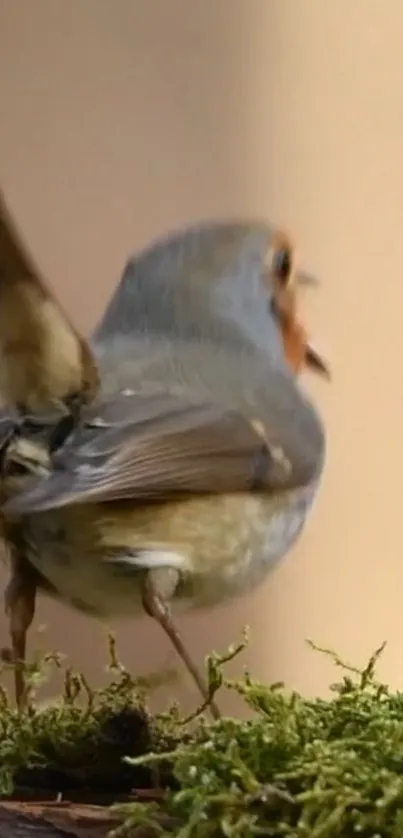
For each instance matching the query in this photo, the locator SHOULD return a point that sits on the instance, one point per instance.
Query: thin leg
(155, 607)
(19, 598)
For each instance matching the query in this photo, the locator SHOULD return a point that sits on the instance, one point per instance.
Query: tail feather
(43, 359)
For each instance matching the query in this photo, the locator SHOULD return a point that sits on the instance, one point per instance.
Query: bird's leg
(19, 599)
(155, 605)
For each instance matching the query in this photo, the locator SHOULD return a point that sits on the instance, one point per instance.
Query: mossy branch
(297, 767)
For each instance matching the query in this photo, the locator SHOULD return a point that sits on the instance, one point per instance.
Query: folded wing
(155, 448)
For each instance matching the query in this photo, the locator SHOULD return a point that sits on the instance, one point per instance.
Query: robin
(193, 471)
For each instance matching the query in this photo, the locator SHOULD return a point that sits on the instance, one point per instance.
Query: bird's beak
(306, 280)
(315, 362)
(313, 359)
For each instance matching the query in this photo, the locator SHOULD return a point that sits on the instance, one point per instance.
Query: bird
(192, 472)
(46, 366)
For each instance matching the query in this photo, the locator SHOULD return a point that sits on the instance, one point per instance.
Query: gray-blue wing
(157, 447)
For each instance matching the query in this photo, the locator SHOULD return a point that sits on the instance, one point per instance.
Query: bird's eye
(282, 264)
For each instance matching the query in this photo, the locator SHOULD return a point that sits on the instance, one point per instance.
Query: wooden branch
(58, 820)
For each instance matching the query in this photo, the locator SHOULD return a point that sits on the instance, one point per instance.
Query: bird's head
(286, 282)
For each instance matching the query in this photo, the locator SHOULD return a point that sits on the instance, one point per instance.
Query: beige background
(120, 119)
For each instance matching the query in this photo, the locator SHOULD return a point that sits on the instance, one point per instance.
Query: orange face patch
(284, 281)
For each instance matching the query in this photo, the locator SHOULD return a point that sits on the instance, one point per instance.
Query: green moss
(78, 743)
(300, 768)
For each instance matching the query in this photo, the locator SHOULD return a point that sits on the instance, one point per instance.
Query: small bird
(193, 471)
(45, 364)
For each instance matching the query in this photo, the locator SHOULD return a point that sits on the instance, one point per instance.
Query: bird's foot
(156, 606)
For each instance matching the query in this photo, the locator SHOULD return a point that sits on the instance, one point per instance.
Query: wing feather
(155, 447)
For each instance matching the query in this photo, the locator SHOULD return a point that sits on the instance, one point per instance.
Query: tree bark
(54, 820)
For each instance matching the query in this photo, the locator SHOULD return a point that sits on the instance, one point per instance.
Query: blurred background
(121, 120)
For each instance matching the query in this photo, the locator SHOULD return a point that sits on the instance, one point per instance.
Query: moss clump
(299, 768)
(77, 745)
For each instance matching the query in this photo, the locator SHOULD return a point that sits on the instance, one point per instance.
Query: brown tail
(43, 359)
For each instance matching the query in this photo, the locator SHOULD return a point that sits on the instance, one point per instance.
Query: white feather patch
(150, 558)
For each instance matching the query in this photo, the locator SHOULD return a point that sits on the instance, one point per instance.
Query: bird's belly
(225, 546)
(252, 546)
